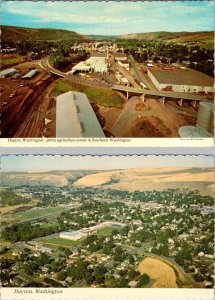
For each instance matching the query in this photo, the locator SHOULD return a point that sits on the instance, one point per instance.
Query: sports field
(61, 242)
(107, 230)
(37, 213)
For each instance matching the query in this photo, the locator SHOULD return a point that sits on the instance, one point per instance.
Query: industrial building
(8, 72)
(72, 235)
(30, 74)
(181, 80)
(93, 64)
(75, 117)
(204, 125)
(78, 234)
(120, 58)
(122, 79)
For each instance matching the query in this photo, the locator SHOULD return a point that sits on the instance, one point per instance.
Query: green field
(107, 230)
(61, 242)
(11, 60)
(100, 96)
(37, 213)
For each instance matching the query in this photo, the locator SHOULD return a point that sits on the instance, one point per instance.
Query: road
(127, 75)
(44, 63)
(171, 95)
(139, 74)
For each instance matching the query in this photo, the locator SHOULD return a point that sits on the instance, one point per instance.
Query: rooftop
(75, 117)
(30, 74)
(182, 77)
(8, 71)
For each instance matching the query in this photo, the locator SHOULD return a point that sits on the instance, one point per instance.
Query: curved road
(44, 63)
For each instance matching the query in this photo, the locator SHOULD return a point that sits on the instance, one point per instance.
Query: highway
(174, 95)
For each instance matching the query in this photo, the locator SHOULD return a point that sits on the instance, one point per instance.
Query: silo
(204, 115)
(211, 125)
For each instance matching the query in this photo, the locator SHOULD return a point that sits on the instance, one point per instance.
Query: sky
(40, 163)
(111, 18)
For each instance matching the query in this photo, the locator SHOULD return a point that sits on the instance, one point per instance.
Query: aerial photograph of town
(107, 221)
(107, 69)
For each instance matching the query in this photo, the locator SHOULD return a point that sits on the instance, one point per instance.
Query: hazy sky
(58, 162)
(111, 18)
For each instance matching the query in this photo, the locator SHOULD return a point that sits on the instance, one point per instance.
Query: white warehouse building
(93, 64)
(180, 80)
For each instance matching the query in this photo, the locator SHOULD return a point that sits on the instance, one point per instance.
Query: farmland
(160, 272)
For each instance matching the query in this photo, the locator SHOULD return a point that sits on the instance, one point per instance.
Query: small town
(113, 87)
(95, 237)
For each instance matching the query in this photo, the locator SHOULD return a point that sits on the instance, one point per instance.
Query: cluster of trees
(61, 58)
(201, 59)
(9, 198)
(26, 231)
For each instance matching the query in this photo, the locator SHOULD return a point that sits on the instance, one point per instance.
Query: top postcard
(107, 73)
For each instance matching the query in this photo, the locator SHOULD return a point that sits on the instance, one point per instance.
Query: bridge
(161, 94)
(180, 96)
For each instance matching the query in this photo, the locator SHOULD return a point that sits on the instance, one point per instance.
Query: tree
(143, 280)
(100, 274)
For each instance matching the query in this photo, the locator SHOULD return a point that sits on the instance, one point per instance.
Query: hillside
(131, 180)
(203, 37)
(152, 179)
(52, 178)
(12, 33)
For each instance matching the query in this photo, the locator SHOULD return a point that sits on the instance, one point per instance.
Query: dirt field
(152, 119)
(157, 270)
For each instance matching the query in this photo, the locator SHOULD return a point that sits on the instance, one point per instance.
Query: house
(133, 283)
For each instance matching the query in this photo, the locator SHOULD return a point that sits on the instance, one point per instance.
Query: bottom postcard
(138, 226)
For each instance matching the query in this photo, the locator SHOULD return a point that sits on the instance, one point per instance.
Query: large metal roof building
(181, 80)
(30, 74)
(8, 72)
(75, 116)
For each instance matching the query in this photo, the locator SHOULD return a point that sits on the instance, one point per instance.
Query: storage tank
(192, 131)
(204, 115)
(211, 124)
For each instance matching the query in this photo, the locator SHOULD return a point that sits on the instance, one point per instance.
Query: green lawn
(101, 96)
(37, 213)
(61, 242)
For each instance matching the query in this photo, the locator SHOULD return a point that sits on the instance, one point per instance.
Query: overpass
(162, 94)
(44, 63)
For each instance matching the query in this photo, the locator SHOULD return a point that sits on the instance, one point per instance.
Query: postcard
(97, 73)
(107, 227)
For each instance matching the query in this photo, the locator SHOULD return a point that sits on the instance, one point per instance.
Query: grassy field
(61, 242)
(9, 60)
(159, 271)
(107, 230)
(37, 213)
(100, 96)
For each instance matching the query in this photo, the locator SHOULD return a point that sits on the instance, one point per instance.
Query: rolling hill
(133, 179)
(13, 33)
(205, 38)
(52, 178)
(152, 179)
